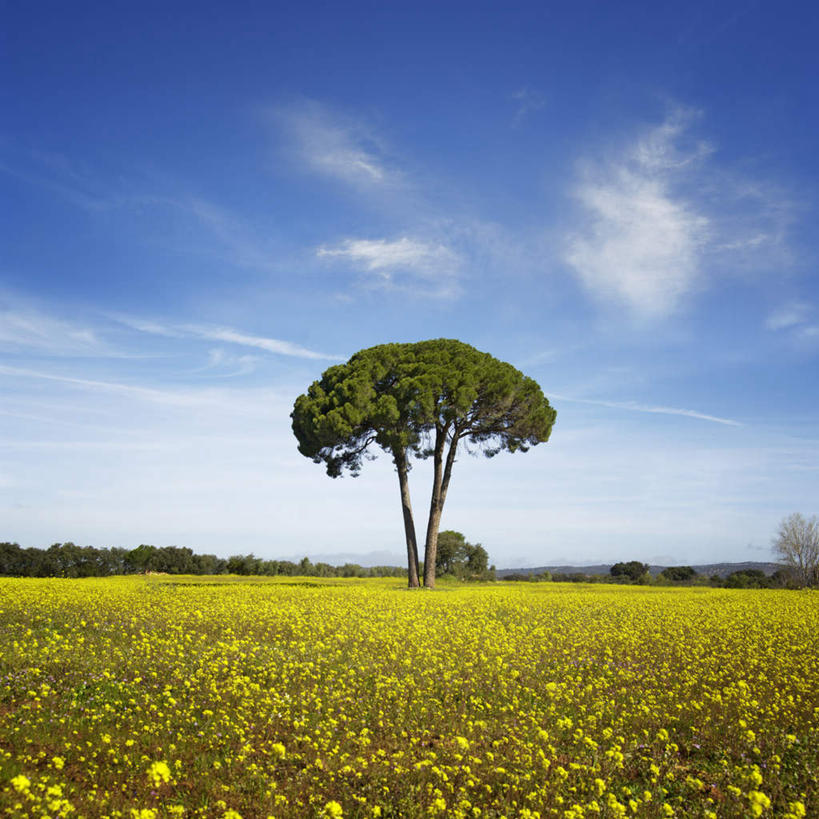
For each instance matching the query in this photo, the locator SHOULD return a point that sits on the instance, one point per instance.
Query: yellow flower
(759, 802)
(158, 773)
(438, 805)
(21, 783)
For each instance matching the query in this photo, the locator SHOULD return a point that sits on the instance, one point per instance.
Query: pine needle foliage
(419, 400)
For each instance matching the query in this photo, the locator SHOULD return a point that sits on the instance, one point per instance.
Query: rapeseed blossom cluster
(155, 697)
(159, 773)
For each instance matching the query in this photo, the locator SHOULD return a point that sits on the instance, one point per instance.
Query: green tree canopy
(678, 574)
(456, 556)
(419, 400)
(633, 570)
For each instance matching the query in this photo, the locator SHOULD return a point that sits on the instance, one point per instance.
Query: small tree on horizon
(457, 557)
(797, 546)
(419, 400)
(634, 570)
(678, 574)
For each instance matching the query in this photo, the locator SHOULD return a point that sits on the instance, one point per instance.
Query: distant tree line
(456, 559)
(796, 544)
(636, 573)
(70, 560)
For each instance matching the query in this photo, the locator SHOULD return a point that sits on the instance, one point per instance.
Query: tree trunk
(409, 524)
(440, 484)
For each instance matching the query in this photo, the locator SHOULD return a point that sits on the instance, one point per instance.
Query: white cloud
(643, 241)
(423, 268)
(243, 246)
(527, 100)
(24, 327)
(147, 326)
(657, 410)
(224, 334)
(658, 148)
(797, 320)
(181, 398)
(223, 364)
(240, 242)
(271, 345)
(337, 146)
(68, 179)
(788, 315)
(662, 218)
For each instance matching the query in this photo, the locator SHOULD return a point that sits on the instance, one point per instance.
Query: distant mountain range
(707, 569)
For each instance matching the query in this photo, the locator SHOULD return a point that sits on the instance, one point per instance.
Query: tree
(477, 561)
(633, 570)
(451, 552)
(419, 400)
(747, 579)
(456, 556)
(367, 400)
(12, 560)
(243, 564)
(678, 574)
(797, 546)
(140, 557)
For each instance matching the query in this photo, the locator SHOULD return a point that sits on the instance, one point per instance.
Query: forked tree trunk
(440, 484)
(409, 524)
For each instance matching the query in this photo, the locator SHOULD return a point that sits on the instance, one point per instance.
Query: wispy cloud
(244, 246)
(25, 328)
(657, 410)
(527, 101)
(234, 237)
(421, 267)
(223, 364)
(270, 345)
(642, 243)
(178, 398)
(337, 145)
(154, 328)
(67, 179)
(789, 315)
(224, 334)
(662, 217)
(175, 397)
(432, 243)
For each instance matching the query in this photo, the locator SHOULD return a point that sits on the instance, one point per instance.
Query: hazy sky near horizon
(207, 204)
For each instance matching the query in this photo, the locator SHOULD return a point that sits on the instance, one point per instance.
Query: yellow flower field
(160, 696)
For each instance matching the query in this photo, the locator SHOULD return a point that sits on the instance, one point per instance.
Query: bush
(678, 574)
(633, 571)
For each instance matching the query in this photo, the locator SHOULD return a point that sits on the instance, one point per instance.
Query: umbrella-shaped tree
(419, 400)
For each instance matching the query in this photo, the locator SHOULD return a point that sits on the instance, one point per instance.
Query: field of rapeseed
(180, 697)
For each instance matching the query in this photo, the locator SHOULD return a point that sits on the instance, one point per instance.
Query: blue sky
(206, 205)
